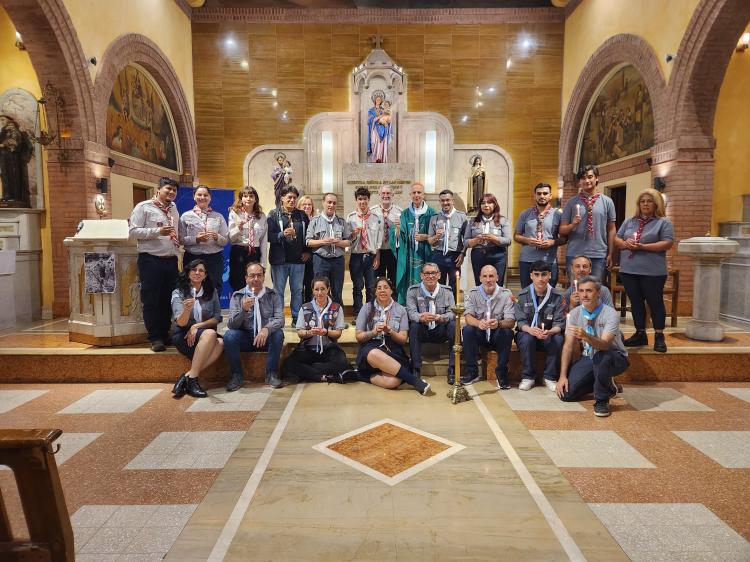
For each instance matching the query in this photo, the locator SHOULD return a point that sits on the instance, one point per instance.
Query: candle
(578, 210)
(575, 285)
(192, 291)
(458, 288)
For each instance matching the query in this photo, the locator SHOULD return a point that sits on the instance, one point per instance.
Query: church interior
(101, 102)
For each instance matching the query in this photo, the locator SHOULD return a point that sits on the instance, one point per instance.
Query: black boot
(180, 386)
(194, 389)
(659, 343)
(639, 338)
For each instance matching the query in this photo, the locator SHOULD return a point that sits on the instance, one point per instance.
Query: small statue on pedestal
(16, 150)
(477, 183)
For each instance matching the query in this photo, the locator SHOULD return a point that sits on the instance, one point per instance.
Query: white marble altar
(20, 230)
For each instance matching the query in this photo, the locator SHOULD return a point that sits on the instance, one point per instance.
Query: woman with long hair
(489, 236)
(197, 313)
(643, 241)
(318, 357)
(248, 233)
(382, 331)
(305, 204)
(204, 233)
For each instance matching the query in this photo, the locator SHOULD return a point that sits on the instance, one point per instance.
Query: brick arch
(135, 48)
(700, 65)
(618, 49)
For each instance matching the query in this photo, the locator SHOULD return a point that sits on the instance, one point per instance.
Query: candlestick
(458, 393)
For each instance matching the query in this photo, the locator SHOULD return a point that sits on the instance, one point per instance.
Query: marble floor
(330, 472)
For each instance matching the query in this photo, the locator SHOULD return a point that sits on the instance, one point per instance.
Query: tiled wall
(308, 67)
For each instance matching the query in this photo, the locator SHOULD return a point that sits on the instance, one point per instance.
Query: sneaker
(274, 381)
(551, 385)
(349, 375)
(157, 346)
(423, 387)
(502, 384)
(612, 387)
(526, 384)
(471, 379)
(660, 345)
(637, 339)
(601, 408)
(235, 382)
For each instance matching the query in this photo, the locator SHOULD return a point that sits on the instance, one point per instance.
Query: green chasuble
(410, 257)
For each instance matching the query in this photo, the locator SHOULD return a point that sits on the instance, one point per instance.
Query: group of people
(402, 259)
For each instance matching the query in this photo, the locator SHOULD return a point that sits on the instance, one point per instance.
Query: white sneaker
(551, 385)
(526, 384)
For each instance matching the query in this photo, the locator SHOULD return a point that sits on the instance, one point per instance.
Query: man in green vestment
(409, 243)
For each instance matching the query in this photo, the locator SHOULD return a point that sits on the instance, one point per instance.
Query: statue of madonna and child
(379, 128)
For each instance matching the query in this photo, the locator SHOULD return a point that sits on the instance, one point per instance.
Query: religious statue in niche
(379, 126)
(281, 174)
(477, 183)
(16, 150)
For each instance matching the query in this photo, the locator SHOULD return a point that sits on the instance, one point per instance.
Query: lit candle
(575, 285)
(578, 210)
(458, 288)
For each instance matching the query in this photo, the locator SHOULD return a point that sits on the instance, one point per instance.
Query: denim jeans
(363, 277)
(295, 272)
(525, 273)
(496, 258)
(594, 375)
(333, 268)
(528, 345)
(236, 341)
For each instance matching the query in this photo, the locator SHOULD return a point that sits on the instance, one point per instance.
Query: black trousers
(528, 345)
(311, 366)
(387, 267)
(158, 278)
(333, 268)
(239, 257)
(442, 333)
(642, 289)
(307, 294)
(447, 266)
(214, 266)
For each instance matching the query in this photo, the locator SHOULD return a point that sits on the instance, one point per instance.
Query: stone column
(707, 253)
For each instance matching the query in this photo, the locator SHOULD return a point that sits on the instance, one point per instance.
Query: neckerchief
(540, 220)
(165, 209)
(488, 301)
(364, 238)
(642, 222)
(329, 229)
(203, 215)
(256, 309)
(319, 314)
(431, 307)
(386, 223)
(447, 229)
(589, 203)
(249, 227)
(416, 213)
(382, 316)
(197, 310)
(538, 307)
(486, 222)
(588, 350)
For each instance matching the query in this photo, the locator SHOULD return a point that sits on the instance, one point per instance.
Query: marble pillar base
(704, 330)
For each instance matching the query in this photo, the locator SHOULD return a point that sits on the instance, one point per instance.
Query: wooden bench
(672, 288)
(28, 453)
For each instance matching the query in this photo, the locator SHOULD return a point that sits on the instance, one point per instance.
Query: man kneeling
(256, 319)
(540, 317)
(597, 327)
(430, 317)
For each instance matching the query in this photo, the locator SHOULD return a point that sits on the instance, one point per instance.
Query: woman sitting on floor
(382, 330)
(196, 312)
(318, 357)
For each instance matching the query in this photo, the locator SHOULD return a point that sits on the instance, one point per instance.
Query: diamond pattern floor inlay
(388, 450)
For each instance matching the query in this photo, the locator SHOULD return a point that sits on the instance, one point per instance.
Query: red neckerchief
(386, 223)
(165, 209)
(641, 225)
(589, 202)
(203, 216)
(249, 220)
(364, 239)
(540, 220)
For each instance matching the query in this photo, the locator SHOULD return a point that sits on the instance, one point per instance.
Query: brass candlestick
(458, 393)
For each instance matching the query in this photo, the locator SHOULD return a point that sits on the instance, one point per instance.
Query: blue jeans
(363, 277)
(594, 375)
(501, 340)
(295, 272)
(494, 257)
(528, 345)
(525, 273)
(333, 268)
(598, 265)
(236, 341)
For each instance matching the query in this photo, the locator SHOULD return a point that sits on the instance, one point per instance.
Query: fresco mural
(621, 120)
(138, 123)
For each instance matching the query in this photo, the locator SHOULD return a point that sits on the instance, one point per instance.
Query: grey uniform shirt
(335, 323)
(417, 302)
(604, 296)
(374, 233)
(241, 236)
(271, 311)
(390, 217)
(319, 229)
(191, 225)
(642, 262)
(500, 309)
(398, 319)
(209, 309)
(526, 226)
(145, 222)
(503, 231)
(551, 314)
(455, 230)
(580, 243)
(608, 320)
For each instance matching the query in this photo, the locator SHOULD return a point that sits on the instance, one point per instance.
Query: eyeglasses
(430, 273)
(255, 275)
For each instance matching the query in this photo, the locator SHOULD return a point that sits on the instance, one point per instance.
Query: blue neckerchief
(538, 307)
(588, 350)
